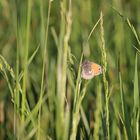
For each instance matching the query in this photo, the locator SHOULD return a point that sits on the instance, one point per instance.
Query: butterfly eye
(98, 68)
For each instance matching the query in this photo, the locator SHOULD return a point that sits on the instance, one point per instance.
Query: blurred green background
(120, 51)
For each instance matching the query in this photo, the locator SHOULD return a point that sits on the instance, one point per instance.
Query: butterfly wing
(87, 72)
(90, 69)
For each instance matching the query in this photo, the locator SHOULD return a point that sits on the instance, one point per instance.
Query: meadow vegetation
(42, 46)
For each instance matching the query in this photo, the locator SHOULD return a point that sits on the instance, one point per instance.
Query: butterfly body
(90, 69)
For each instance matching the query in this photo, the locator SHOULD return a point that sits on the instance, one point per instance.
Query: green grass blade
(29, 61)
(136, 103)
(136, 87)
(26, 51)
(76, 107)
(138, 125)
(85, 120)
(97, 123)
(129, 24)
(133, 30)
(126, 116)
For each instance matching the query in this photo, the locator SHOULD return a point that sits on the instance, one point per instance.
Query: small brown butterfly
(90, 69)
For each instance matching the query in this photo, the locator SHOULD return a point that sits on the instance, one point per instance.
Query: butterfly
(90, 69)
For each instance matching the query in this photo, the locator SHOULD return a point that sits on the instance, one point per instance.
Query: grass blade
(76, 107)
(125, 112)
(136, 103)
(136, 87)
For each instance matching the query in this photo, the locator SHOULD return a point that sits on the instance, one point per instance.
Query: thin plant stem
(17, 65)
(104, 62)
(43, 69)
(26, 63)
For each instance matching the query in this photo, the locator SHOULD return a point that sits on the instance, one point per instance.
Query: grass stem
(104, 62)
